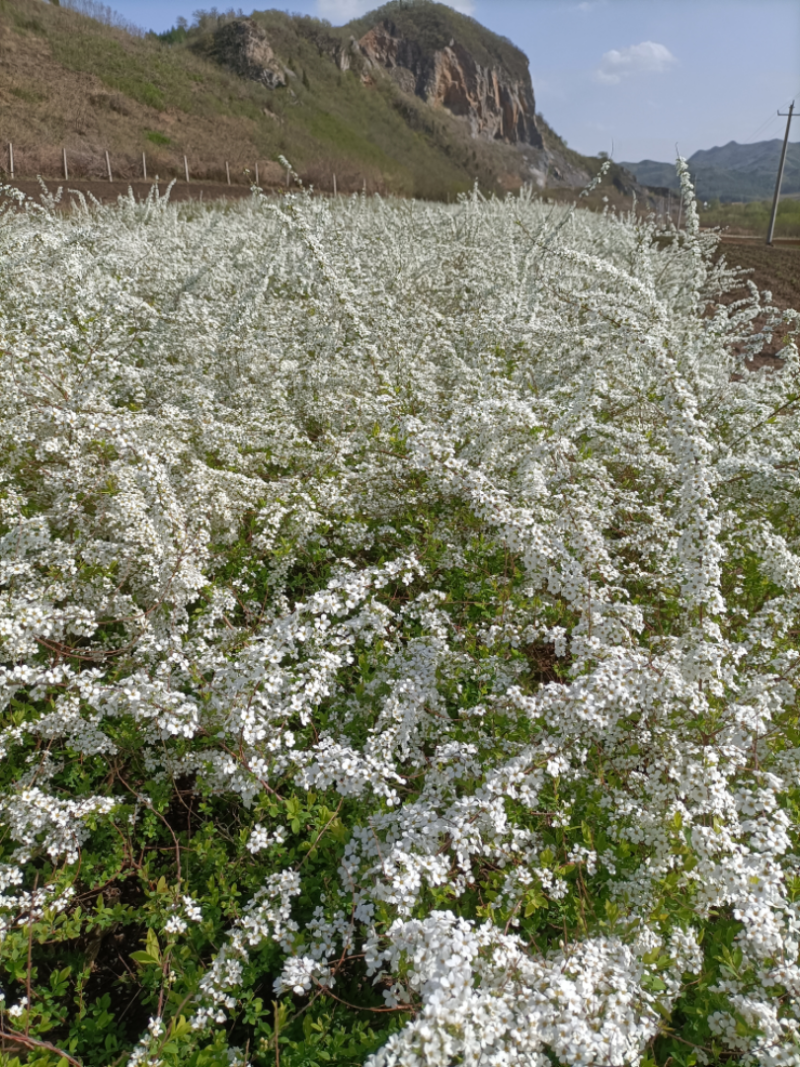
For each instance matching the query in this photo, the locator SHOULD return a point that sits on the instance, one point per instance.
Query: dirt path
(107, 192)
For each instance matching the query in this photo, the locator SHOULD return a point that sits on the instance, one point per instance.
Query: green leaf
(534, 900)
(143, 957)
(152, 943)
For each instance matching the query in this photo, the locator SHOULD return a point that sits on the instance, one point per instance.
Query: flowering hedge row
(399, 636)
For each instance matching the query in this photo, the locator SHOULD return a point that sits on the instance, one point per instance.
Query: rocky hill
(413, 98)
(494, 96)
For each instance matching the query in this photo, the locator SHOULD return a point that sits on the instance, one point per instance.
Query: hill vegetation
(68, 81)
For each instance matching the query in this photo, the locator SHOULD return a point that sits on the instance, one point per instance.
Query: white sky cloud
(338, 11)
(645, 58)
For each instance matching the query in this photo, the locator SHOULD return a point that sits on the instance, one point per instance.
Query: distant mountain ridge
(731, 172)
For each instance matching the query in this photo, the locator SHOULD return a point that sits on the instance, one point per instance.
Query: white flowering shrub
(399, 638)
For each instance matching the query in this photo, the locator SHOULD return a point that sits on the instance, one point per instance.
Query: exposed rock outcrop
(343, 55)
(496, 104)
(480, 79)
(243, 48)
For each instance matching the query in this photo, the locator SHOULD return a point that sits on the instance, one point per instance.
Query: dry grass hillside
(70, 82)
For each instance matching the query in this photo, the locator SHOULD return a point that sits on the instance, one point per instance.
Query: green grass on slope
(179, 100)
(419, 151)
(168, 97)
(154, 74)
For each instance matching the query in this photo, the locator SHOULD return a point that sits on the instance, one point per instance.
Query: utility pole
(780, 173)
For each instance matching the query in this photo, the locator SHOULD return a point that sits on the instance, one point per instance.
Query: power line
(755, 135)
(772, 118)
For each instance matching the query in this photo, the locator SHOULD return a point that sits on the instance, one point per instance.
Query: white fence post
(334, 185)
(228, 172)
(66, 168)
(256, 172)
(186, 168)
(144, 167)
(11, 159)
(108, 167)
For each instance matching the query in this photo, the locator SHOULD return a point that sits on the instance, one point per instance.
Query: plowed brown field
(775, 268)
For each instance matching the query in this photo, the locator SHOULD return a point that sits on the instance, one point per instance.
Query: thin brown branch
(26, 1041)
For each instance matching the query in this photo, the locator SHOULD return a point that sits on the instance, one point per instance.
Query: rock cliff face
(242, 47)
(494, 103)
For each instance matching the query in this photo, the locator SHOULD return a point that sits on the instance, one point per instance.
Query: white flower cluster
(481, 432)
(486, 1001)
(300, 974)
(267, 916)
(186, 911)
(261, 839)
(34, 818)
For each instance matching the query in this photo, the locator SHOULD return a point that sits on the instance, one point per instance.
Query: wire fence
(28, 161)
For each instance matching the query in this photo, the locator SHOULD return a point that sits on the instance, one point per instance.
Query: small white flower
(17, 1009)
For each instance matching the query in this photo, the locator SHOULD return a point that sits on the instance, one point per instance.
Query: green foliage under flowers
(399, 640)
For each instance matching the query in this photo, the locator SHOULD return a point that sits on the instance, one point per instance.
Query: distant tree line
(101, 13)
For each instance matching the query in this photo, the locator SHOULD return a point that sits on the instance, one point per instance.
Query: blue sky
(637, 76)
